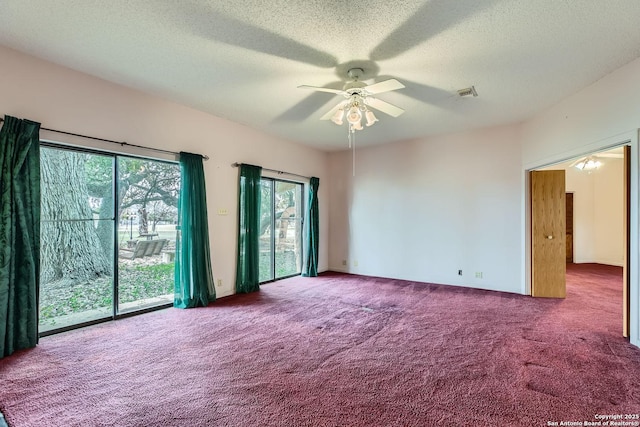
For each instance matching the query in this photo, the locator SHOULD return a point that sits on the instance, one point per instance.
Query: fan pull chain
(353, 155)
(351, 137)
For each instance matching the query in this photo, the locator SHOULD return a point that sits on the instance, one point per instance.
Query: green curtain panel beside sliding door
(312, 230)
(19, 234)
(247, 271)
(193, 277)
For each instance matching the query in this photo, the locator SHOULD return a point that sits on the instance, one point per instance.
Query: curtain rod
(121, 143)
(235, 165)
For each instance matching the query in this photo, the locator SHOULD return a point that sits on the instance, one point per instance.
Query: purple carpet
(341, 350)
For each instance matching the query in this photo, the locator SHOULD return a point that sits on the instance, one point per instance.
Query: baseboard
(603, 262)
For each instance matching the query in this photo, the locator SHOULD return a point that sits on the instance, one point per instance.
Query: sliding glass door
(147, 216)
(103, 255)
(280, 229)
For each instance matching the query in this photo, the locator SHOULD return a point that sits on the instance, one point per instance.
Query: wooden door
(548, 234)
(569, 226)
(626, 284)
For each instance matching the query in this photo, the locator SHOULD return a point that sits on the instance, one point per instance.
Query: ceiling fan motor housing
(355, 74)
(350, 86)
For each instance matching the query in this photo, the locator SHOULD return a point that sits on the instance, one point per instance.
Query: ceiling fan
(358, 100)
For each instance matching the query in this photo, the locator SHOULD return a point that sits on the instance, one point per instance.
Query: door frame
(628, 138)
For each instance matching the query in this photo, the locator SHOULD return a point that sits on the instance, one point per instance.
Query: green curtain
(311, 231)
(19, 234)
(247, 271)
(193, 277)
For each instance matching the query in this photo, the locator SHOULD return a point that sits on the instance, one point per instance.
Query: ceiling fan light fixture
(358, 98)
(592, 164)
(354, 115)
(337, 117)
(371, 118)
(588, 164)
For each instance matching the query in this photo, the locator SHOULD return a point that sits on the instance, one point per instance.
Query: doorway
(569, 227)
(596, 201)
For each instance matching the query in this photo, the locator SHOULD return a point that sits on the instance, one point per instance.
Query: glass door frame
(302, 186)
(115, 314)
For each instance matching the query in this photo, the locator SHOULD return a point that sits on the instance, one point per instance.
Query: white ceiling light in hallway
(587, 164)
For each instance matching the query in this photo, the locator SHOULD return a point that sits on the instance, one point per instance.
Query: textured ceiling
(243, 60)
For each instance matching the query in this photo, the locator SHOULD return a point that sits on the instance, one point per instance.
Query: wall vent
(470, 91)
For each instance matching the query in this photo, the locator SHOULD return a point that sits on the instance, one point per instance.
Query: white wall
(608, 212)
(598, 209)
(64, 99)
(421, 210)
(586, 121)
(584, 242)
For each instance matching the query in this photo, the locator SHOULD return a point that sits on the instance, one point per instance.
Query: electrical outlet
(478, 274)
(344, 262)
(459, 272)
(219, 283)
(355, 263)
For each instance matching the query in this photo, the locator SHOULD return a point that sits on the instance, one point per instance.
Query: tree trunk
(70, 246)
(143, 221)
(105, 225)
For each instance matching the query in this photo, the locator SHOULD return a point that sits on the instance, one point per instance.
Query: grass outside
(136, 282)
(149, 281)
(286, 265)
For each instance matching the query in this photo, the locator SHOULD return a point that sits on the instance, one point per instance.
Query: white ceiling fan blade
(322, 89)
(331, 112)
(383, 106)
(385, 86)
